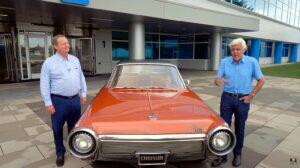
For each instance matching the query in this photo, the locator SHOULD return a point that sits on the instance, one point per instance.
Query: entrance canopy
(159, 16)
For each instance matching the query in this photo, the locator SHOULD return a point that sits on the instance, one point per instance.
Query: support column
(255, 48)
(278, 52)
(215, 56)
(137, 39)
(294, 51)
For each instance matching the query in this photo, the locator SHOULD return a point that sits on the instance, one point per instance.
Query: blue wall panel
(278, 52)
(255, 48)
(294, 51)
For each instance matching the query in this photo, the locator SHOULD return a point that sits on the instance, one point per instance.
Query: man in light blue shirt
(236, 74)
(60, 84)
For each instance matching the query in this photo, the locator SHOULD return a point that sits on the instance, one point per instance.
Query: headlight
(82, 143)
(221, 141)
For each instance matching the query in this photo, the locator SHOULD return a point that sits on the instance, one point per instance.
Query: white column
(215, 50)
(137, 40)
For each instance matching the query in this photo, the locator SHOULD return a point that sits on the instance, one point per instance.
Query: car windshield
(146, 76)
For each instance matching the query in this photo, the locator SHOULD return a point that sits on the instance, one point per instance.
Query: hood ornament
(152, 117)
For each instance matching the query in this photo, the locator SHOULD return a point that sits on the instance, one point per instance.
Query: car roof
(154, 62)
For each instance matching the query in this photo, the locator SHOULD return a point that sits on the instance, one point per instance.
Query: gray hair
(56, 37)
(238, 41)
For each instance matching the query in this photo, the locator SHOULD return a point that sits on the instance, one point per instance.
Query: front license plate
(152, 159)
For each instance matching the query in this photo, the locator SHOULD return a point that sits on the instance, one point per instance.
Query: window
(202, 46)
(151, 37)
(119, 35)
(225, 46)
(120, 50)
(168, 50)
(152, 50)
(271, 12)
(266, 49)
(286, 49)
(269, 47)
(120, 47)
(168, 47)
(259, 6)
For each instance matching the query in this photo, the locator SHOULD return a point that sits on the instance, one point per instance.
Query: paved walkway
(272, 134)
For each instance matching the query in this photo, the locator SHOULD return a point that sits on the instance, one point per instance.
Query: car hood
(149, 111)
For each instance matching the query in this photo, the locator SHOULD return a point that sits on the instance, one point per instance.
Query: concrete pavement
(272, 131)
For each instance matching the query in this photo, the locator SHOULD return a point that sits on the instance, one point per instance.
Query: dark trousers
(66, 110)
(232, 105)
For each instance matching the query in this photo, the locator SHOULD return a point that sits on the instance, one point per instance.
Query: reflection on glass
(201, 50)
(185, 51)
(269, 46)
(146, 76)
(118, 35)
(286, 48)
(284, 16)
(152, 51)
(3, 60)
(120, 51)
(50, 48)
(36, 53)
(23, 55)
(248, 4)
(151, 37)
(292, 19)
(259, 6)
(168, 50)
(271, 12)
(84, 48)
(278, 14)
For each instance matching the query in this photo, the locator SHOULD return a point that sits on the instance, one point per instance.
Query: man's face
(62, 46)
(237, 52)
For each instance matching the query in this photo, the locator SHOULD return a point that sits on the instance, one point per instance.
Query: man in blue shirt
(61, 81)
(236, 74)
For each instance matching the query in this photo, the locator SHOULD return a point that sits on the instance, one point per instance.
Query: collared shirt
(61, 76)
(239, 76)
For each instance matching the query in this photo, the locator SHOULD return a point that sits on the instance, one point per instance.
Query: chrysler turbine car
(147, 115)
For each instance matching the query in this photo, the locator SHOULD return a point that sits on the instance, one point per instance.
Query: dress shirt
(62, 77)
(239, 75)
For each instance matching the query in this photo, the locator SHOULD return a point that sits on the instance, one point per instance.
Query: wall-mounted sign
(77, 2)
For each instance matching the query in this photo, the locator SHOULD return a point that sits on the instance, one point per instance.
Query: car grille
(131, 147)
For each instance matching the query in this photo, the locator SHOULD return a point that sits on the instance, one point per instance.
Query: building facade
(193, 34)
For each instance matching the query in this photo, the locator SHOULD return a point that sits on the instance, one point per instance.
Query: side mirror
(187, 82)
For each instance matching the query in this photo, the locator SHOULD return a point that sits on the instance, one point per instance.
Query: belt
(65, 97)
(236, 95)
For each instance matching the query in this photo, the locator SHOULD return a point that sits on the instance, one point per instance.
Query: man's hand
(220, 81)
(83, 101)
(247, 99)
(50, 109)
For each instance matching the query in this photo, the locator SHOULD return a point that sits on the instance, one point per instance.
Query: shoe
(237, 161)
(217, 162)
(60, 161)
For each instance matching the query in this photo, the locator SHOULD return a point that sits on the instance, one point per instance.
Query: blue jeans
(232, 105)
(66, 110)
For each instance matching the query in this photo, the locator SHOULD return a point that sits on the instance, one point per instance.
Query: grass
(287, 71)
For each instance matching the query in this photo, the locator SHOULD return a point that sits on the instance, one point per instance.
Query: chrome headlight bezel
(86, 134)
(226, 133)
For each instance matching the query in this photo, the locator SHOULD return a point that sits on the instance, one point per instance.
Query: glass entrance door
(37, 53)
(84, 52)
(34, 48)
(7, 67)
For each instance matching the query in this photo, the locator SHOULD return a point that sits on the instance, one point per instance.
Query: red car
(146, 114)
